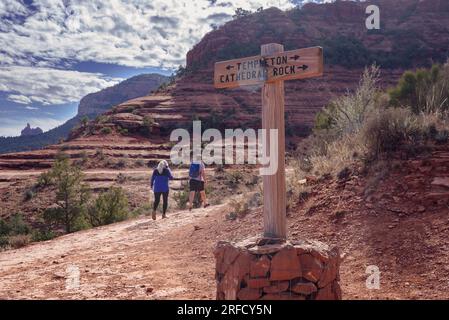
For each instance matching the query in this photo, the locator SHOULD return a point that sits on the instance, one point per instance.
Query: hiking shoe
(164, 216)
(206, 205)
(153, 215)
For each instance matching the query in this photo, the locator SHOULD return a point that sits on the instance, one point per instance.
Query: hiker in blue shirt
(159, 185)
(197, 181)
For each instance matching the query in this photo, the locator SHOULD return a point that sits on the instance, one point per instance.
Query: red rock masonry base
(295, 270)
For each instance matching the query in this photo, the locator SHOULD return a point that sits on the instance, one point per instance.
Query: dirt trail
(135, 259)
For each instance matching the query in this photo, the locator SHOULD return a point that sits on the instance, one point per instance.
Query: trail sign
(270, 69)
(288, 65)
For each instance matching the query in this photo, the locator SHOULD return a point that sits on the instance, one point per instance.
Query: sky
(54, 52)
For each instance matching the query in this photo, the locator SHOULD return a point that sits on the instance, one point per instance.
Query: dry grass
(360, 127)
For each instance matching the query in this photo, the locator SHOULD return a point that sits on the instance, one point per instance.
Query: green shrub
(106, 130)
(109, 207)
(102, 119)
(4, 242)
(426, 90)
(121, 178)
(29, 194)
(147, 125)
(99, 153)
(181, 197)
(234, 178)
(19, 241)
(346, 51)
(42, 235)
(4, 228)
(122, 163)
(45, 179)
(388, 129)
(17, 225)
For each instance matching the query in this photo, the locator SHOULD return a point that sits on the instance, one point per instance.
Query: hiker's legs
(203, 198)
(191, 198)
(165, 203)
(157, 199)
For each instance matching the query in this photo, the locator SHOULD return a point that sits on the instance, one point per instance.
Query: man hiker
(197, 181)
(159, 185)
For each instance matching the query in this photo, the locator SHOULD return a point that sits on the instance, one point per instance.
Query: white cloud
(19, 99)
(50, 86)
(127, 32)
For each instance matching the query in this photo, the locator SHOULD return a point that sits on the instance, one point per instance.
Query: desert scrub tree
(109, 207)
(72, 196)
(426, 90)
(147, 125)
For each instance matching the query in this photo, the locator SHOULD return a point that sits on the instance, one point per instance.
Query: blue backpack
(194, 171)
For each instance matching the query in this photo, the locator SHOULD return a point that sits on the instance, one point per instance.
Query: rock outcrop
(412, 34)
(28, 131)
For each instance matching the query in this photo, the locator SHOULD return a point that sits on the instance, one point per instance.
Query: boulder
(285, 265)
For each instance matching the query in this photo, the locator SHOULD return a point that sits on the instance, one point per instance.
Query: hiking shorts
(196, 185)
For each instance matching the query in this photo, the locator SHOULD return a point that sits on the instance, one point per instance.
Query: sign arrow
(229, 67)
(295, 57)
(304, 67)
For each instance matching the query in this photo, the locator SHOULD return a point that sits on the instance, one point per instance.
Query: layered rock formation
(413, 33)
(99, 102)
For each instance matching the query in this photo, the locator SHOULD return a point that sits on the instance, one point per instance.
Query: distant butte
(28, 131)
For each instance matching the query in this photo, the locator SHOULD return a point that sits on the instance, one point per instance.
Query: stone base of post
(293, 270)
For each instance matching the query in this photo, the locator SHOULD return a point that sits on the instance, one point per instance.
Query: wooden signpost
(271, 69)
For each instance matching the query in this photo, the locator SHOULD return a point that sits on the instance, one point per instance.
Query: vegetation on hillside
(370, 125)
(74, 207)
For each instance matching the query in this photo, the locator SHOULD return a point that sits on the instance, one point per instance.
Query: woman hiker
(197, 180)
(159, 185)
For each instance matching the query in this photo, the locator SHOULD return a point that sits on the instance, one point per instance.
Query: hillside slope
(402, 234)
(413, 33)
(90, 106)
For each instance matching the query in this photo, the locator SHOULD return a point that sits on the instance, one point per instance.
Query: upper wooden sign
(288, 65)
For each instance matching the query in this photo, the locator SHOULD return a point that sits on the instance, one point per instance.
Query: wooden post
(274, 210)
